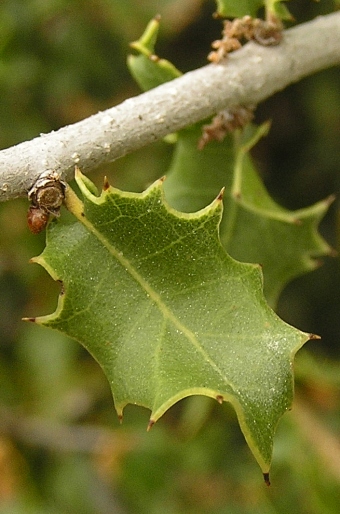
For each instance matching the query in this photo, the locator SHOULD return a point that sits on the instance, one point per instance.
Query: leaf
(254, 228)
(147, 69)
(233, 9)
(153, 296)
(279, 9)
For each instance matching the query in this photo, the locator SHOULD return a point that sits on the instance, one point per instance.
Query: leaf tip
(266, 479)
(220, 195)
(119, 411)
(106, 184)
(150, 425)
(329, 200)
(217, 15)
(332, 252)
(313, 337)
(33, 320)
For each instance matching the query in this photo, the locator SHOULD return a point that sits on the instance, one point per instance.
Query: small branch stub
(265, 32)
(47, 195)
(224, 122)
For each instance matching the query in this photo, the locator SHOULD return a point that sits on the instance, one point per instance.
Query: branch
(248, 76)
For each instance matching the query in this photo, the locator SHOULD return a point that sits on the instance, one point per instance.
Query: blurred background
(62, 450)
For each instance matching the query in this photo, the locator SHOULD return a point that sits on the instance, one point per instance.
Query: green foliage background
(61, 448)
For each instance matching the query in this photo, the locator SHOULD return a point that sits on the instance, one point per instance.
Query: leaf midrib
(164, 309)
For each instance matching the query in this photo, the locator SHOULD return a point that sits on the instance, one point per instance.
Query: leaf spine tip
(120, 418)
(313, 337)
(216, 15)
(332, 252)
(266, 479)
(150, 425)
(33, 320)
(157, 17)
(318, 263)
(329, 200)
(220, 399)
(106, 184)
(161, 180)
(220, 194)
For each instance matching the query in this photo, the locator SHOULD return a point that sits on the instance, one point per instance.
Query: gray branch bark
(248, 76)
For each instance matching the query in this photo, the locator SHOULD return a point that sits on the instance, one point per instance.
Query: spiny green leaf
(153, 296)
(147, 69)
(254, 228)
